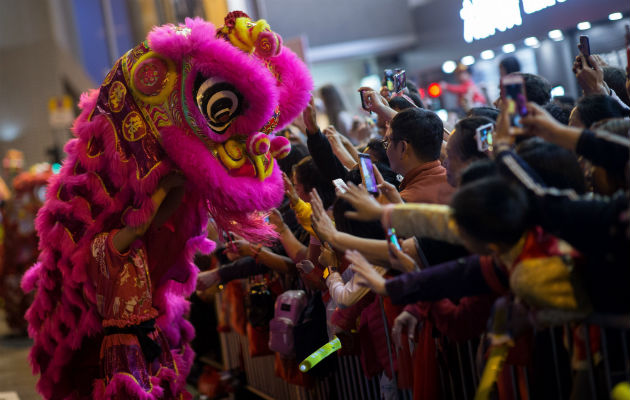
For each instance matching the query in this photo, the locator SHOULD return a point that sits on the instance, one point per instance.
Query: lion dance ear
(250, 36)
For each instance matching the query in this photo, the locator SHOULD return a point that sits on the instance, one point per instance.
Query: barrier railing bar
(589, 358)
(606, 360)
(461, 371)
(556, 368)
(624, 347)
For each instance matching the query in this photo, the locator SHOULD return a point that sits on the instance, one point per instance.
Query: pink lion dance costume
(190, 98)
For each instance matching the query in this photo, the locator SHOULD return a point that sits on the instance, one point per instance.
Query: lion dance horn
(251, 36)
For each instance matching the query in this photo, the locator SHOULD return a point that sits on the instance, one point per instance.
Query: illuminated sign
(483, 18)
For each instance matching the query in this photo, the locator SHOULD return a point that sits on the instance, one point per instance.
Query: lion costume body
(193, 99)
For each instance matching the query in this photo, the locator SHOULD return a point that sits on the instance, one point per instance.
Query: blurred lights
(508, 48)
(449, 66)
(373, 81)
(56, 167)
(487, 54)
(557, 91)
(584, 25)
(443, 114)
(468, 60)
(532, 42)
(435, 90)
(615, 16)
(555, 35)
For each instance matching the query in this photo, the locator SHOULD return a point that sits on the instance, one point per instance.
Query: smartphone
(628, 45)
(367, 173)
(340, 185)
(363, 101)
(585, 48)
(400, 81)
(484, 137)
(513, 93)
(388, 79)
(391, 235)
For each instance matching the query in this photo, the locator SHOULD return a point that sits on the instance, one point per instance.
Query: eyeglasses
(387, 142)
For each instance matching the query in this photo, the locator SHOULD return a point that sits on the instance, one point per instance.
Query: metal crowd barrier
(350, 383)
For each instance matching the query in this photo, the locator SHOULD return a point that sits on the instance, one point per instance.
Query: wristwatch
(329, 270)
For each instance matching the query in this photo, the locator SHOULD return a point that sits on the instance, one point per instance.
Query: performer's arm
(165, 199)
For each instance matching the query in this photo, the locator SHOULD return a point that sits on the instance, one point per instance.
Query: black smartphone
(363, 102)
(628, 45)
(367, 173)
(388, 79)
(391, 235)
(585, 48)
(483, 135)
(400, 81)
(513, 94)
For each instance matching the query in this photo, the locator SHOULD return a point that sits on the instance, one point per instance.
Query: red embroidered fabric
(124, 298)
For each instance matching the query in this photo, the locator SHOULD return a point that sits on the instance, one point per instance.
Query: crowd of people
(513, 247)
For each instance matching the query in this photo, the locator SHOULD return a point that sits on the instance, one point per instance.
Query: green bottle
(321, 353)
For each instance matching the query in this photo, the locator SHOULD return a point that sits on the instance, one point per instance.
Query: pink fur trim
(295, 86)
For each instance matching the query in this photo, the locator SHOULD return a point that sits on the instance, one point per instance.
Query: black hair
(464, 138)
(478, 169)
(297, 153)
(370, 230)
(414, 94)
(596, 107)
(376, 145)
(556, 166)
(564, 101)
(615, 78)
(334, 105)
(492, 210)
(484, 111)
(537, 88)
(560, 113)
(510, 64)
(399, 103)
(308, 175)
(422, 129)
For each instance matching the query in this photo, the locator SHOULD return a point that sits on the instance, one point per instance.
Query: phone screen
(341, 185)
(514, 95)
(400, 81)
(367, 173)
(388, 79)
(484, 137)
(391, 233)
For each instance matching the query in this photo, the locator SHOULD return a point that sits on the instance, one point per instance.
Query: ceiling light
(615, 16)
(449, 66)
(468, 60)
(532, 41)
(557, 91)
(487, 54)
(556, 35)
(508, 48)
(584, 25)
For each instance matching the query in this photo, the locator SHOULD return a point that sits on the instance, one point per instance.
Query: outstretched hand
(365, 274)
(289, 190)
(387, 192)
(366, 206)
(310, 118)
(321, 222)
(401, 261)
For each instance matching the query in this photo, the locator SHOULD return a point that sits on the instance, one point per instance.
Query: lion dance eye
(218, 101)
